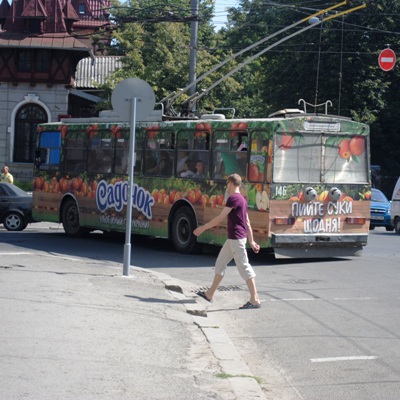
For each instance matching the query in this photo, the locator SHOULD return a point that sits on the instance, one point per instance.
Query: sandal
(203, 295)
(249, 306)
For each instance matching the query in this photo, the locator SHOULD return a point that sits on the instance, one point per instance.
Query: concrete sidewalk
(74, 328)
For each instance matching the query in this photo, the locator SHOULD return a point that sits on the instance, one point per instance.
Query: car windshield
(13, 190)
(379, 197)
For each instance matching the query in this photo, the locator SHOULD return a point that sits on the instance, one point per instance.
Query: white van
(395, 207)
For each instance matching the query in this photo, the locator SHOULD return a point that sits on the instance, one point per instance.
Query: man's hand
(256, 247)
(198, 231)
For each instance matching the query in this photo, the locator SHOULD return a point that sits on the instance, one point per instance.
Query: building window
(42, 61)
(81, 9)
(25, 61)
(26, 121)
(34, 25)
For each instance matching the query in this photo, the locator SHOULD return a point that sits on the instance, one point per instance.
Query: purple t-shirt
(237, 221)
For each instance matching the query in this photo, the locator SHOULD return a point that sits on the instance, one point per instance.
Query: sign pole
(133, 99)
(128, 227)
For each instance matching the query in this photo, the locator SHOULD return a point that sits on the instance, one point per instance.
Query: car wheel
(390, 228)
(14, 221)
(183, 225)
(397, 225)
(371, 227)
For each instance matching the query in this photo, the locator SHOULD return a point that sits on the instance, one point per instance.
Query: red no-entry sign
(387, 59)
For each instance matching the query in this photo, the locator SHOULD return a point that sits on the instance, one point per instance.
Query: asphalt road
(327, 329)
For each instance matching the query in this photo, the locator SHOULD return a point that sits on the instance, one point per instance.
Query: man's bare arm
(214, 222)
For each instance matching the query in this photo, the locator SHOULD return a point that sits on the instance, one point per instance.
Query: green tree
(153, 40)
(334, 61)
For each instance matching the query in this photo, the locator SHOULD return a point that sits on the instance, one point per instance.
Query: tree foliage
(336, 60)
(154, 42)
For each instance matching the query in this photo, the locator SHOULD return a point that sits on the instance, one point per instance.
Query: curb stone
(240, 377)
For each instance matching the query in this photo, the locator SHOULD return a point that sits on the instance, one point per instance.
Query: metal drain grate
(231, 288)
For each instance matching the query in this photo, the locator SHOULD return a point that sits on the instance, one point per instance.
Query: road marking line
(355, 298)
(335, 298)
(332, 359)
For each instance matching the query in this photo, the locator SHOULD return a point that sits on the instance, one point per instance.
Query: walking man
(239, 231)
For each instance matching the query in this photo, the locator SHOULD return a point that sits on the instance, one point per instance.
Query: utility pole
(194, 25)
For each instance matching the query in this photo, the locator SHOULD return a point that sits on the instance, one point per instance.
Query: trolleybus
(306, 178)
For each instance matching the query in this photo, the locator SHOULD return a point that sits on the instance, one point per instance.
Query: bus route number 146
(280, 191)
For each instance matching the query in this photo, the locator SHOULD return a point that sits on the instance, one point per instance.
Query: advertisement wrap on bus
(306, 179)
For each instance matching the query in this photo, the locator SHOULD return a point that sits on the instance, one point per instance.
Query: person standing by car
(6, 176)
(239, 231)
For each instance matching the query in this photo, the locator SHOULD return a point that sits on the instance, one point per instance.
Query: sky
(220, 11)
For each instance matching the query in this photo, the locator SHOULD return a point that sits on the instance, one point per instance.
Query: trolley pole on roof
(169, 99)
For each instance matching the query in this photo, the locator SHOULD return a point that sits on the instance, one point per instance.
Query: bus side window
(138, 157)
(74, 153)
(184, 164)
(122, 156)
(200, 156)
(183, 158)
(150, 159)
(229, 155)
(163, 163)
(100, 155)
(159, 154)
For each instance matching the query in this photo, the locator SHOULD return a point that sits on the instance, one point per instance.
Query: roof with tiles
(53, 41)
(85, 13)
(89, 73)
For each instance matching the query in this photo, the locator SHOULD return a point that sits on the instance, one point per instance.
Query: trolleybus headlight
(335, 194)
(356, 220)
(284, 220)
(310, 194)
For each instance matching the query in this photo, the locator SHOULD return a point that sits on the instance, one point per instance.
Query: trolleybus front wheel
(70, 219)
(183, 225)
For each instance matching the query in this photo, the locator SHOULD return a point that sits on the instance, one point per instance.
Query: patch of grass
(27, 186)
(223, 375)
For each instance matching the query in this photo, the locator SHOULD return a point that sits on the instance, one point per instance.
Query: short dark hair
(235, 179)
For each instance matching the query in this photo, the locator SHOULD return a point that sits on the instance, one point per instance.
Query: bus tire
(397, 225)
(70, 219)
(183, 225)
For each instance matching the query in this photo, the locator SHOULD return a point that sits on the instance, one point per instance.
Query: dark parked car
(15, 207)
(380, 211)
